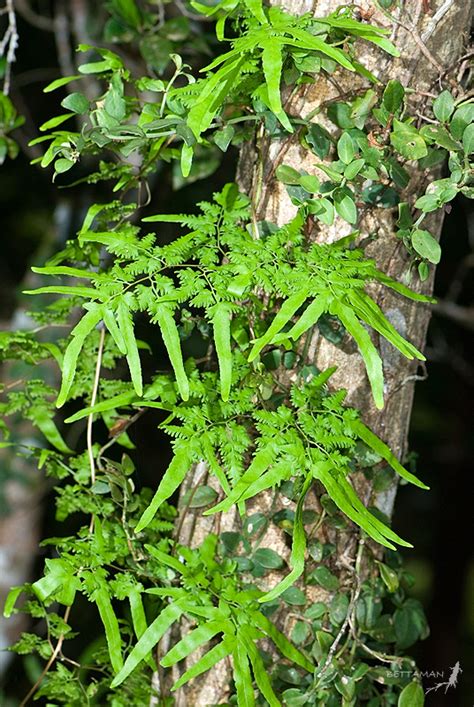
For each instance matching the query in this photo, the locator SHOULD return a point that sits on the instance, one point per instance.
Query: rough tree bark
(431, 45)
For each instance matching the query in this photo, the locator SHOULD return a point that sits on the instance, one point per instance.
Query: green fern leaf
(221, 326)
(148, 640)
(208, 661)
(125, 324)
(78, 336)
(171, 480)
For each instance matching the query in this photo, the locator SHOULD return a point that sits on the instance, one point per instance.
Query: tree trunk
(431, 45)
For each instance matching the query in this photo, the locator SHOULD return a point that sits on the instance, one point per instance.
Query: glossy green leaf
(389, 577)
(318, 139)
(242, 675)
(58, 83)
(43, 419)
(96, 67)
(393, 96)
(148, 641)
(272, 63)
(125, 325)
(268, 558)
(70, 290)
(112, 630)
(443, 106)
(310, 183)
(223, 137)
(353, 168)
(221, 319)
(285, 647)
(256, 8)
(324, 578)
(370, 312)
(287, 174)
(192, 641)
(53, 123)
(342, 493)
(170, 334)
(76, 102)
(287, 310)
(259, 670)
(385, 452)
(407, 141)
(323, 209)
(345, 205)
(187, 153)
(78, 336)
(468, 139)
(63, 165)
(298, 550)
(172, 479)
(361, 108)
(412, 695)
(463, 116)
(294, 596)
(10, 601)
(113, 328)
(305, 40)
(426, 246)
(128, 11)
(199, 497)
(204, 664)
(369, 353)
(439, 135)
(345, 148)
(427, 203)
(260, 463)
(309, 318)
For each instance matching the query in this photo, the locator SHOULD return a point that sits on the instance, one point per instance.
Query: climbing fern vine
(254, 292)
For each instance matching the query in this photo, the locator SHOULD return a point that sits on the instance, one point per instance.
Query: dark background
(37, 216)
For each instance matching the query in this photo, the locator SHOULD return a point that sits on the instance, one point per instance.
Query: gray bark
(430, 44)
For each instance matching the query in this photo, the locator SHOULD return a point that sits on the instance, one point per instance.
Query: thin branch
(422, 46)
(192, 15)
(79, 13)
(436, 19)
(63, 44)
(41, 75)
(201, 472)
(416, 37)
(33, 18)
(90, 418)
(90, 421)
(350, 610)
(9, 44)
(458, 281)
(463, 316)
(123, 429)
(50, 662)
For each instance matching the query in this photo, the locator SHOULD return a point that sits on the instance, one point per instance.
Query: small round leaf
(426, 246)
(412, 695)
